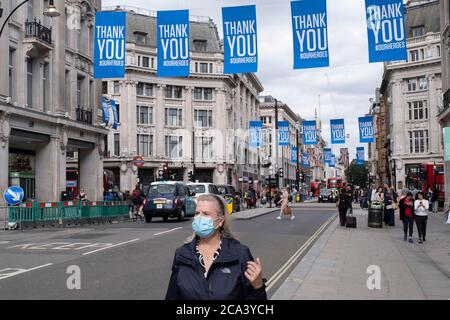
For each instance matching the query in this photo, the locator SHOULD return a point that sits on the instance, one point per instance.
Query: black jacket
(226, 279)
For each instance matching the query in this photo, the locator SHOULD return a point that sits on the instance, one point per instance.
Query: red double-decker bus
(433, 174)
(335, 183)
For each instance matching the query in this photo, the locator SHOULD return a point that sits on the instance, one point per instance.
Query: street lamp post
(277, 175)
(50, 12)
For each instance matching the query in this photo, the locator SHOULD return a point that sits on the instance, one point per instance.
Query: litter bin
(375, 218)
(297, 197)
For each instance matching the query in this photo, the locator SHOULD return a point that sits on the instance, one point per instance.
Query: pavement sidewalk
(335, 268)
(253, 213)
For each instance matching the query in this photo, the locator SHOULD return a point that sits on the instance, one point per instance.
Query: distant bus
(433, 174)
(335, 183)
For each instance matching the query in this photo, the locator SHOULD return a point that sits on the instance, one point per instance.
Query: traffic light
(166, 172)
(298, 175)
(161, 175)
(281, 173)
(191, 176)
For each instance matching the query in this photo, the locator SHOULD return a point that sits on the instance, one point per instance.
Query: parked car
(169, 200)
(327, 195)
(227, 190)
(202, 189)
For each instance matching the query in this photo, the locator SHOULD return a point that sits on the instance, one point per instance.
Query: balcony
(84, 115)
(38, 38)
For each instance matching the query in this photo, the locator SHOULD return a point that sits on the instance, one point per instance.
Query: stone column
(159, 114)
(51, 169)
(91, 173)
(4, 158)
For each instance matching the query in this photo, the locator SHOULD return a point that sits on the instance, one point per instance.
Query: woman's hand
(254, 273)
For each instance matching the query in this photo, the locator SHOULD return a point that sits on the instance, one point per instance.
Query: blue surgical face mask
(203, 226)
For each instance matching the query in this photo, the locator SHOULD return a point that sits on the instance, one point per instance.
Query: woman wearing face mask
(421, 207)
(212, 264)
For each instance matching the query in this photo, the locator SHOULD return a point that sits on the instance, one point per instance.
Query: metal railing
(34, 29)
(67, 212)
(84, 115)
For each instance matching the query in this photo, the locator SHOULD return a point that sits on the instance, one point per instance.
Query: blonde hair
(222, 212)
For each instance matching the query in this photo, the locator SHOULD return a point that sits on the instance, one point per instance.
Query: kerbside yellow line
(277, 276)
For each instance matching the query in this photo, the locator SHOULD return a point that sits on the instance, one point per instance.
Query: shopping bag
(448, 217)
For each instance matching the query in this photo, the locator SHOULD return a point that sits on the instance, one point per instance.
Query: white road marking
(4, 242)
(20, 271)
(115, 245)
(164, 232)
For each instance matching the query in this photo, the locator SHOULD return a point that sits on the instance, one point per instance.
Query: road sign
(138, 161)
(13, 195)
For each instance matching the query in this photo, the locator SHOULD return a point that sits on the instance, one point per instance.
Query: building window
(67, 90)
(146, 62)
(414, 55)
(418, 141)
(204, 147)
(174, 147)
(30, 82)
(144, 115)
(11, 73)
(423, 83)
(118, 113)
(417, 31)
(144, 89)
(30, 10)
(116, 87)
(201, 67)
(105, 87)
(203, 94)
(117, 144)
(203, 118)
(200, 45)
(438, 48)
(418, 110)
(79, 42)
(79, 89)
(174, 117)
(173, 92)
(141, 38)
(45, 86)
(418, 84)
(145, 145)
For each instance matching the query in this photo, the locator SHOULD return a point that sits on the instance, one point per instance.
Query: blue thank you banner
(240, 39)
(327, 155)
(366, 132)
(305, 160)
(283, 133)
(109, 113)
(255, 134)
(173, 43)
(109, 45)
(310, 31)
(337, 131)
(386, 30)
(333, 161)
(309, 132)
(294, 155)
(360, 156)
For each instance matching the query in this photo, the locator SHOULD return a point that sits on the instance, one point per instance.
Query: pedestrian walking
(82, 196)
(406, 205)
(269, 197)
(342, 205)
(389, 209)
(212, 264)
(421, 207)
(435, 199)
(137, 198)
(285, 209)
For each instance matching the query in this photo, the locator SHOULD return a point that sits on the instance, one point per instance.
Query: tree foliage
(357, 175)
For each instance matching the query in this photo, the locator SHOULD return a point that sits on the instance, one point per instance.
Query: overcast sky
(345, 87)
